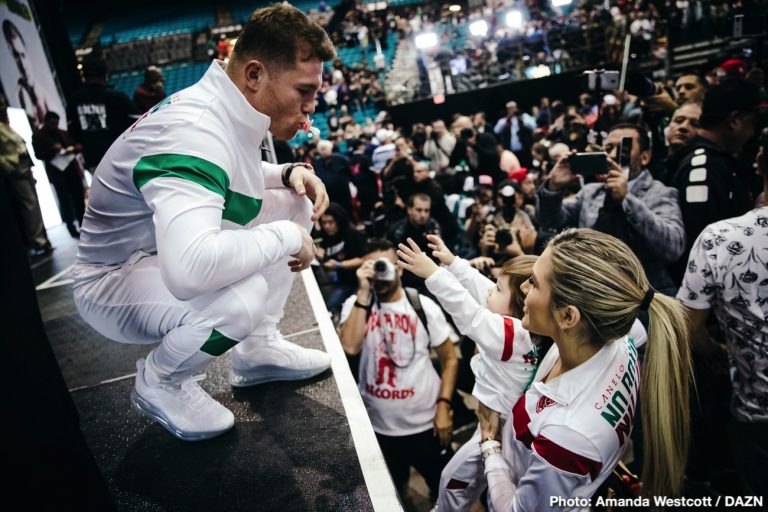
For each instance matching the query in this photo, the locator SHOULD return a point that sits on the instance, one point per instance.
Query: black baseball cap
(732, 94)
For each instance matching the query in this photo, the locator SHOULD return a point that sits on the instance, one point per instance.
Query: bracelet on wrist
(366, 307)
(491, 451)
(445, 400)
(489, 444)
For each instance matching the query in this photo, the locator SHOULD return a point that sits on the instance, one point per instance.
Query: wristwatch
(288, 169)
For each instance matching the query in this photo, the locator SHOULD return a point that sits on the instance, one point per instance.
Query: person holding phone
(626, 203)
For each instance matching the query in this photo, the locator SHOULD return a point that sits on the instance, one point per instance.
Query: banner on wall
(25, 73)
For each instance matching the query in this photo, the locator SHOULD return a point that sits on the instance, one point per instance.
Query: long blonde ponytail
(600, 275)
(664, 390)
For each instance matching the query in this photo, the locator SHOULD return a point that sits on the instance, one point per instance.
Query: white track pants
(463, 478)
(133, 305)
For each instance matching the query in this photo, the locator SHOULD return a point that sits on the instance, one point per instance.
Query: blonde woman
(569, 429)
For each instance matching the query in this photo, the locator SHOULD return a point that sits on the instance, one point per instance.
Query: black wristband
(363, 306)
(446, 400)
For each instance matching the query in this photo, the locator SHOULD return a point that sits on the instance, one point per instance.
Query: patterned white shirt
(728, 271)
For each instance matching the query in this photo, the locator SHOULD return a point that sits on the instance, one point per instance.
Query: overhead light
(560, 3)
(454, 8)
(540, 71)
(426, 40)
(478, 28)
(514, 19)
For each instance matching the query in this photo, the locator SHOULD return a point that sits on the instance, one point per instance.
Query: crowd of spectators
(499, 187)
(588, 34)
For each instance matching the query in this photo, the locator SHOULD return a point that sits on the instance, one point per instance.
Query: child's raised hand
(440, 250)
(414, 259)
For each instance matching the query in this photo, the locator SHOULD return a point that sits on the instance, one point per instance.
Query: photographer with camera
(505, 230)
(482, 207)
(628, 204)
(439, 145)
(409, 404)
(515, 130)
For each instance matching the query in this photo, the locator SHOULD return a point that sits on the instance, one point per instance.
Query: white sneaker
(276, 359)
(184, 409)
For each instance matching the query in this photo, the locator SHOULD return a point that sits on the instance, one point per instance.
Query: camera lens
(380, 267)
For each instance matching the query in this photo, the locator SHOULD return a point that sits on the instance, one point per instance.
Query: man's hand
(306, 253)
(482, 263)
(660, 103)
(561, 175)
(514, 249)
(365, 274)
(443, 424)
(305, 183)
(488, 243)
(331, 264)
(440, 250)
(616, 183)
(414, 259)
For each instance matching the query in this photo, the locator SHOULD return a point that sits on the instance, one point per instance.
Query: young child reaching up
(488, 313)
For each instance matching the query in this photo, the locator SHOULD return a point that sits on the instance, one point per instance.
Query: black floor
(290, 449)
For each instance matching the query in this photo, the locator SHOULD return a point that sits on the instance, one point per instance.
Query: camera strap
(413, 297)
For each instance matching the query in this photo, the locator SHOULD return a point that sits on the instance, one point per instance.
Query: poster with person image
(26, 75)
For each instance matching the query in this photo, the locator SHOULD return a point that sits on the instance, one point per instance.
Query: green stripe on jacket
(238, 208)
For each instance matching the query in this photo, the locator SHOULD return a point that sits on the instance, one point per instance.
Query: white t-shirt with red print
(397, 381)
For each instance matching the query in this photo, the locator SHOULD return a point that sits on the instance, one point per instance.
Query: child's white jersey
(507, 359)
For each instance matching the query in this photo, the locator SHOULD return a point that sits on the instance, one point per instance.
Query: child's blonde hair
(517, 270)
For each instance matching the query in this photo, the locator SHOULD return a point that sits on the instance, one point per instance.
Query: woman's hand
(440, 250)
(489, 422)
(414, 259)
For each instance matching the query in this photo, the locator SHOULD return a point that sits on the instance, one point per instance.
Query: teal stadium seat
(177, 77)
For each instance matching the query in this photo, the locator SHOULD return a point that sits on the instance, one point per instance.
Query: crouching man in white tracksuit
(189, 239)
